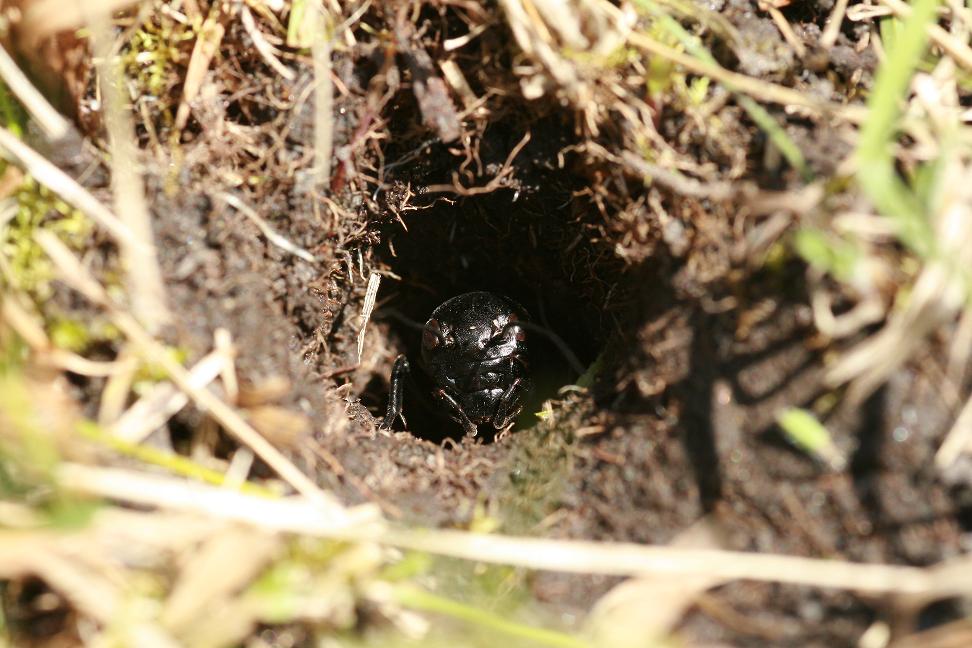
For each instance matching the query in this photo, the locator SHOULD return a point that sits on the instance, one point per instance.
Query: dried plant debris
(740, 231)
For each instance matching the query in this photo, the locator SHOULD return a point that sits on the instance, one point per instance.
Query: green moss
(827, 252)
(490, 623)
(29, 457)
(31, 271)
(153, 56)
(70, 334)
(314, 572)
(538, 467)
(150, 373)
(37, 207)
(11, 112)
(13, 352)
(478, 604)
(412, 565)
(28, 453)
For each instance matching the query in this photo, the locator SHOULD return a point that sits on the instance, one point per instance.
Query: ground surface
(693, 336)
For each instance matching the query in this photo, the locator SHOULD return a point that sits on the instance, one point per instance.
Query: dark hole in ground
(524, 247)
(35, 614)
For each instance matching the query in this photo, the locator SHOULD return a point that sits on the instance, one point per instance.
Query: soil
(690, 349)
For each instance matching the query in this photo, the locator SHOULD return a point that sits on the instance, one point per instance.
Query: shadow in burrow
(525, 246)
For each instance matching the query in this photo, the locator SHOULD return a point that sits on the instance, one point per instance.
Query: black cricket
(474, 349)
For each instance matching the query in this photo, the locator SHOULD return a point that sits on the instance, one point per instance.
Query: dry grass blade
(66, 187)
(787, 31)
(91, 566)
(834, 22)
(529, 35)
(369, 304)
(67, 568)
(223, 341)
(937, 228)
(323, 96)
(141, 262)
(495, 183)
(958, 440)
(761, 90)
(678, 182)
(647, 131)
(933, 302)
(262, 46)
(959, 51)
(453, 75)
(29, 327)
(207, 44)
(152, 410)
(293, 514)
(952, 578)
(92, 592)
(953, 634)
(639, 611)
(73, 273)
(73, 363)
(272, 236)
(221, 566)
(54, 125)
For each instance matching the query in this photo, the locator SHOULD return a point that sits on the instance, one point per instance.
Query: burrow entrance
(532, 242)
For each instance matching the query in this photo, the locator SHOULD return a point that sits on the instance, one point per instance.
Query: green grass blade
(876, 173)
(807, 433)
(419, 599)
(760, 116)
(172, 462)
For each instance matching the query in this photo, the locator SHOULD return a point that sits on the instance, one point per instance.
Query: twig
(262, 46)
(683, 185)
(76, 276)
(497, 182)
(54, 125)
(272, 236)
